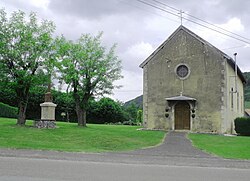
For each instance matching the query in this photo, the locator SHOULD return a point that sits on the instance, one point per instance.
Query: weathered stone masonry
(204, 92)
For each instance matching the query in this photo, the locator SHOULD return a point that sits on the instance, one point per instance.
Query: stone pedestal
(44, 124)
(48, 111)
(47, 116)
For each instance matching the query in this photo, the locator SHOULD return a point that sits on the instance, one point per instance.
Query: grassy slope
(236, 147)
(69, 137)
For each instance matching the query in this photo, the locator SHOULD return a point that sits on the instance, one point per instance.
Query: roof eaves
(231, 62)
(161, 46)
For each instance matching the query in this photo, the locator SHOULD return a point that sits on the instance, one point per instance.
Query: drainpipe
(236, 74)
(236, 86)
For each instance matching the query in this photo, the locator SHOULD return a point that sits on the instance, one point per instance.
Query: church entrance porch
(178, 112)
(182, 116)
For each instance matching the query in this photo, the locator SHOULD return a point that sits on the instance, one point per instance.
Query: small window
(182, 71)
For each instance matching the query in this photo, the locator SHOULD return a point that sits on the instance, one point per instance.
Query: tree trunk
(21, 119)
(81, 115)
(23, 97)
(80, 111)
(67, 116)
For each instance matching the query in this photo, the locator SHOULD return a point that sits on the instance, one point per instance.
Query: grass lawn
(69, 137)
(236, 147)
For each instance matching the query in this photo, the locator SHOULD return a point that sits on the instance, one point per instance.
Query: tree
(25, 46)
(106, 110)
(139, 116)
(132, 111)
(247, 86)
(65, 104)
(89, 69)
(7, 94)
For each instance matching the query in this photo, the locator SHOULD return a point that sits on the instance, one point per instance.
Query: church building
(188, 84)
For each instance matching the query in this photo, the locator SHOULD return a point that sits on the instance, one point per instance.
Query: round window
(182, 71)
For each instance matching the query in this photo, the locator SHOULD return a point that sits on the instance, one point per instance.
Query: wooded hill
(138, 102)
(247, 86)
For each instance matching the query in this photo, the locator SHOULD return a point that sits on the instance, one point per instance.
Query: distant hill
(247, 86)
(138, 101)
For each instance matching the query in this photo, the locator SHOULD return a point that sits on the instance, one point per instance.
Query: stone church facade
(188, 84)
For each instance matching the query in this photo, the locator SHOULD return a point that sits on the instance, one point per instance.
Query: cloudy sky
(139, 29)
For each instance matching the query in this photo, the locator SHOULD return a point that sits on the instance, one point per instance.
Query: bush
(104, 111)
(242, 126)
(8, 111)
(139, 116)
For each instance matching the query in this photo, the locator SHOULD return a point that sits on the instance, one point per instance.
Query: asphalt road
(175, 159)
(32, 169)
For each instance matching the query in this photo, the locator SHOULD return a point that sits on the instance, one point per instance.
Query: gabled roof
(181, 27)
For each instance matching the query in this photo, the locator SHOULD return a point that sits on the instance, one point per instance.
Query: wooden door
(182, 116)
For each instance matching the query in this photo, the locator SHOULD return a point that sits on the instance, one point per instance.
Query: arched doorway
(182, 116)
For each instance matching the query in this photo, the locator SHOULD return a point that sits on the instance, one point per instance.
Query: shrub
(139, 116)
(242, 126)
(8, 111)
(106, 110)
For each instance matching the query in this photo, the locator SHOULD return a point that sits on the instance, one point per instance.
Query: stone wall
(44, 124)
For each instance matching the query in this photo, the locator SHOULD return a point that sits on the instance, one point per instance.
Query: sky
(138, 29)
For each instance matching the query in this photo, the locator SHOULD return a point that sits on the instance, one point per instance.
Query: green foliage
(63, 100)
(139, 117)
(36, 97)
(88, 69)
(7, 111)
(247, 104)
(7, 94)
(242, 126)
(105, 110)
(247, 94)
(26, 45)
(65, 103)
(69, 137)
(138, 101)
(236, 147)
(131, 111)
(247, 86)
